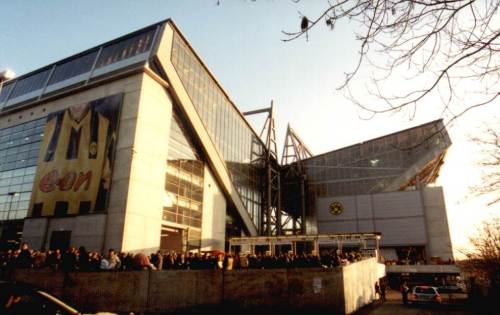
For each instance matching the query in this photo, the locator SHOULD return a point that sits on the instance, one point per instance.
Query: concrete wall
(213, 228)
(341, 290)
(132, 222)
(361, 278)
(93, 231)
(404, 218)
(399, 216)
(170, 290)
(146, 190)
(438, 231)
(86, 230)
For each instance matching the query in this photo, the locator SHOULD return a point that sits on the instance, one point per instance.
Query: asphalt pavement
(453, 304)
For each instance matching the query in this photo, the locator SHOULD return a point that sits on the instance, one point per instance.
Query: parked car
(425, 294)
(22, 298)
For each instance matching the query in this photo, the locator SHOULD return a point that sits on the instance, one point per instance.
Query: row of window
(12, 215)
(184, 178)
(369, 167)
(234, 139)
(180, 219)
(15, 206)
(111, 53)
(20, 145)
(18, 167)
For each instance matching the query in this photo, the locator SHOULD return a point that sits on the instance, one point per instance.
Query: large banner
(76, 158)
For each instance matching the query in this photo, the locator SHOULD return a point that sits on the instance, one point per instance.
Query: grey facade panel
(399, 216)
(349, 212)
(365, 207)
(404, 231)
(397, 204)
(331, 227)
(366, 226)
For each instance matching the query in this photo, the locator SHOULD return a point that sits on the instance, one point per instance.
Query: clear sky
(240, 41)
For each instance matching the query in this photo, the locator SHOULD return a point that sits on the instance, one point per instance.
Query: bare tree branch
(489, 144)
(442, 44)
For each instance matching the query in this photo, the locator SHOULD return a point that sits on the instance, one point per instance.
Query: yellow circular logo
(93, 148)
(336, 208)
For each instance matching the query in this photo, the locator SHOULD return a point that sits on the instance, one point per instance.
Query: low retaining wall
(341, 290)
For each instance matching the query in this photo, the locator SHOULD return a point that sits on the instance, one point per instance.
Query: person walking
(404, 292)
(378, 294)
(382, 290)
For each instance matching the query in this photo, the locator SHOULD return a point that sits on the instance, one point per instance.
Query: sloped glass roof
(120, 53)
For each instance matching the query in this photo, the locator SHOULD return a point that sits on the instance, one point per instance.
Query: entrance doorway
(60, 240)
(172, 239)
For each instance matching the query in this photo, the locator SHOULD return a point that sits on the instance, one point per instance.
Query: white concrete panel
(366, 226)
(327, 227)
(146, 189)
(365, 206)
(437, 223)
(89, 231)
(404, 231)
(213, 227)
(323, 206)
(33, 231)
(397, 204)
(61, 224)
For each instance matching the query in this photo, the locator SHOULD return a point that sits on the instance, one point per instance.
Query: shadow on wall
(341, 290)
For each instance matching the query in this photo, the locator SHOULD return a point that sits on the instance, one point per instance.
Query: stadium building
(134, 145)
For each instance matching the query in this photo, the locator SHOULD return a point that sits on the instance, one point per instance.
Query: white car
(425, 294)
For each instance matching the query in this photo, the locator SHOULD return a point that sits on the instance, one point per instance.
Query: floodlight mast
(6, 75)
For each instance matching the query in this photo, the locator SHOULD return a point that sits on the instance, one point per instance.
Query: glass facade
(126, 48)
(31, 83)
(73, 67)
(371, 166)
(237, 144)
(184, 178)
(19, 148)
(41, 80)
(5, 91)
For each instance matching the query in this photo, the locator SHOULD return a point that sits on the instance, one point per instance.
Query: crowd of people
(82, 260)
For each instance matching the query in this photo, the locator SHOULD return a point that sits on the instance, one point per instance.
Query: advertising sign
(76, 158)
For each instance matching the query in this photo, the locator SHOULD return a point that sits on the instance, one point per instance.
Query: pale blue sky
(240, 42)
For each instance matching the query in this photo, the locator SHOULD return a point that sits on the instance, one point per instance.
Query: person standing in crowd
(24, 260)
(39, 259)
(244, 261)
(142, 262)
(404, 292)
(83, 259)
(228, 262)
(220, 262)
(382, 290)
(378, 294)
(69, 260)
(157, 260)
(113, 259)
(54, 259)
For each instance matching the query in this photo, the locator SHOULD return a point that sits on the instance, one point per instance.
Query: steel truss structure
(271, 218)
(294, 176)
(275, 219)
